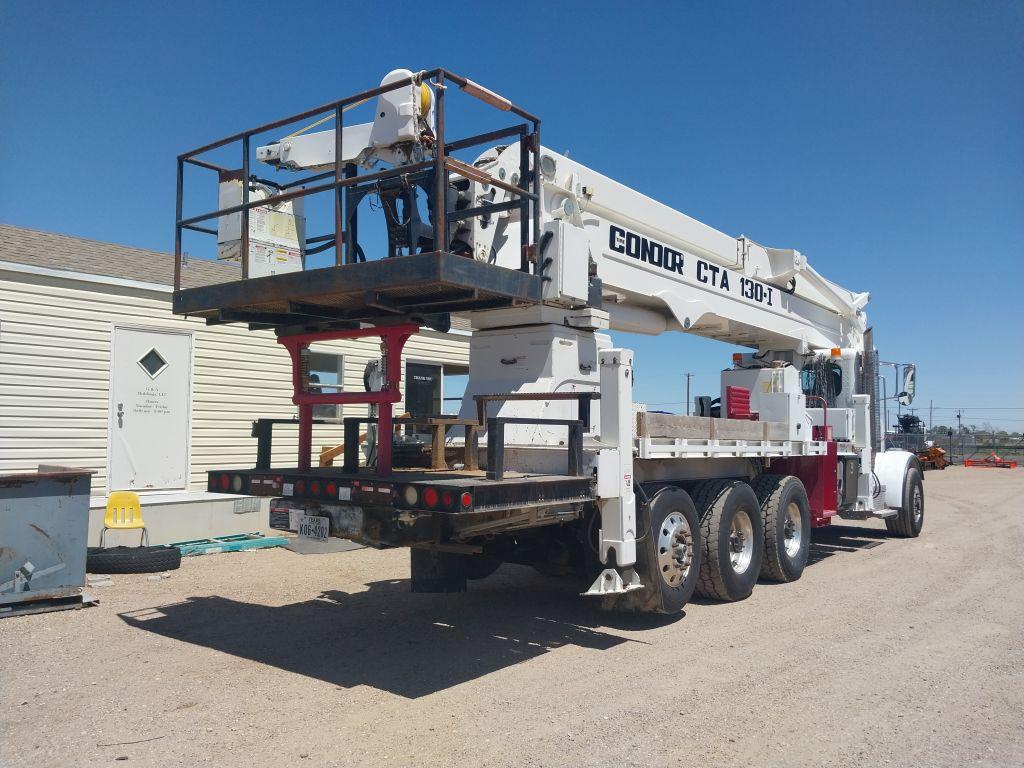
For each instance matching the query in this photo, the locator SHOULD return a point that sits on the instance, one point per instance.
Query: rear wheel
(907, 523)
(787, 526)
(733, 537)
(668, 555)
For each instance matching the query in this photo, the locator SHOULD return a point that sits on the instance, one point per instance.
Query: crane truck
(549, 461)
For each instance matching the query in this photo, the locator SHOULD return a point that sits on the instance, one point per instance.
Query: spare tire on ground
(132, 559)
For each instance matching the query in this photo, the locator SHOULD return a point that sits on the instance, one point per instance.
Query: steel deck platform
(432, 282)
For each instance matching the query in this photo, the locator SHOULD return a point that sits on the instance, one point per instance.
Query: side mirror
(906, 397)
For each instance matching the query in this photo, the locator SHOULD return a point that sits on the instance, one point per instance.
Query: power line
(981, 408)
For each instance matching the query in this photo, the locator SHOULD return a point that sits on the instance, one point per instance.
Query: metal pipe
(524, 213)
(483, 210)
(285, 196)
(440, 175)
(352, 225)
(485, 138)
(205, 164)
(204, 230)
(319, 248)
(339, 192)
(461, 81)
(363, 96)
(177, 226)
(245, 210)
(307, 180)
(536, 184)
(475, 174)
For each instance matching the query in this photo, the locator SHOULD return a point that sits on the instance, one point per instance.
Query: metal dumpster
(44, 519)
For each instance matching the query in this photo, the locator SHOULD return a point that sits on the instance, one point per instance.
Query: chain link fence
(960, 446)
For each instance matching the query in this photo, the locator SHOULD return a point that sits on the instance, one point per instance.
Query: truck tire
(908, 522)
(668, 556)
(787, 526)
(733, 538)
(434, 571)
(132, 559)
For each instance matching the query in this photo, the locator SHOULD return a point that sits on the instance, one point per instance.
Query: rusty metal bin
(44, 520)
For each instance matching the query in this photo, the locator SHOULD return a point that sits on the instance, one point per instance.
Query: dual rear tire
(668, 557)
(787, 526)
(732, 534)
(719, 539)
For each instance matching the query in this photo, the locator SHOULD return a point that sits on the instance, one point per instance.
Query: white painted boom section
(663, 270)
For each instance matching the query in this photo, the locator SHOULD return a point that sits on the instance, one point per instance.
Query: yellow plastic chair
(124, 512)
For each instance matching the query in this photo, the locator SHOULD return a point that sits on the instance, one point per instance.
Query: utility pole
(688, 377)
(960, 433)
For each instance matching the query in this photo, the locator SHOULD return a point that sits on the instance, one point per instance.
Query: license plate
(313, 527)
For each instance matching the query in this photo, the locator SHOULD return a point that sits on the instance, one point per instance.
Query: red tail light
(314, 488)
(332, 489)
(300, 487)
(466, 500)
(447, 498)
(224, 482)
(429, 497)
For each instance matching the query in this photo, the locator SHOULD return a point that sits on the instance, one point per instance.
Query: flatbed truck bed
(408, 507)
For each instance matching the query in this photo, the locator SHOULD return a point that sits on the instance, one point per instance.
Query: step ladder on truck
(549, 461)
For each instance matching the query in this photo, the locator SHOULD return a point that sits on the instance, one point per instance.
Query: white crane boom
(663, 270)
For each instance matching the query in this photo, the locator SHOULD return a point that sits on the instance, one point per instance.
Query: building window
(152, 363)
(327, 376)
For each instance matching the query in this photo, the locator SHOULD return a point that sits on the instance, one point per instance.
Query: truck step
(885, 512)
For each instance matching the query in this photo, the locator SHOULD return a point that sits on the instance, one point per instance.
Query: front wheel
(907, 523)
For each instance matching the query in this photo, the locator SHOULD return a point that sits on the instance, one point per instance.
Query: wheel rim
(793, 530)
(741, 541)
(675, 549)
(917, 504)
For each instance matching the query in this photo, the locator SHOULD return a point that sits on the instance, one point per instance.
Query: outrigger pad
(611, 582)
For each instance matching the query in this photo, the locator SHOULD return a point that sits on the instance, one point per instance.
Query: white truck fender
(891, 470)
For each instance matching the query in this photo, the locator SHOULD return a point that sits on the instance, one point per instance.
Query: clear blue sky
(885, 140)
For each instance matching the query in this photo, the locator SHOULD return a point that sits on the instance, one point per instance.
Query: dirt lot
(886, 652)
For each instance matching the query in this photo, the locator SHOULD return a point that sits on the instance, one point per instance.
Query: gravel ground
(886, 652)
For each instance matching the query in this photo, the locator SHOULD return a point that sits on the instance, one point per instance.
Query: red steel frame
(393, 338)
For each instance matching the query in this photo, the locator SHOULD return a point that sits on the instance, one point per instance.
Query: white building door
(150, 409)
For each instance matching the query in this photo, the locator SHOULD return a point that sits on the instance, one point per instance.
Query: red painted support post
(305, 436)
(394, 338)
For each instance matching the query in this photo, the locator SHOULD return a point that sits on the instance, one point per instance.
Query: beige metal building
(96, 372)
